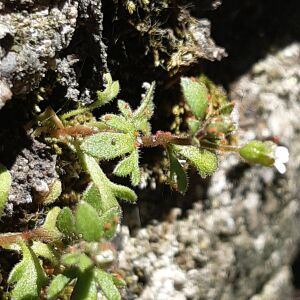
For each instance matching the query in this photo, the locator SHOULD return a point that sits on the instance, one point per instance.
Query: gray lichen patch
(33, 173)
(35, 37)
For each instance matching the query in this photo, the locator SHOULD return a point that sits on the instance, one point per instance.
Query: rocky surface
(240, 241)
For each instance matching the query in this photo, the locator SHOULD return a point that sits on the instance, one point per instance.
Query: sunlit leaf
(109, 222)
(88, 222)
(92, 196)
(28, 276)
(118, 123)
(108, 145)
(125, 109)
(45, 251)
(78, 260)
(196, 96)
(206, 162)
(5, 183)
(106, 283)
(129, 166)
(65, 222)
(57, 285)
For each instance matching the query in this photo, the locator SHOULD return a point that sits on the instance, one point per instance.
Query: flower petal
(281, 168)
(282, 154)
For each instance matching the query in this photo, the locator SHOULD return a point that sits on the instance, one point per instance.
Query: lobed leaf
(5, 183)
(206, 162)
(196, 96)
(108, 145)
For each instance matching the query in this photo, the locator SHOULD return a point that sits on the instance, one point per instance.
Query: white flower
(281, 157)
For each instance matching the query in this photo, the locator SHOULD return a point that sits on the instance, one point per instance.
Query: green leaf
(107, 285)
(65, 222)
(45, 251)
(104, 185)
(85, 287)
(206, 162)
(78, 260)
(118, 123)
(50, 223)
(196, 96)
(109, 222)
(88, 222)
(146, 108)
(110, 92)
(5, 183)
(92, 196)
(125, 109)
(144, 112)
(28, 276)
(108, 145)
(129, 165)
(194, 125)
(177, 173)
(57, 285)
(55, 191)
(124, 193)
(108, 190)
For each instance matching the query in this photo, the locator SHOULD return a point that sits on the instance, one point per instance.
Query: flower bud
(258, 152)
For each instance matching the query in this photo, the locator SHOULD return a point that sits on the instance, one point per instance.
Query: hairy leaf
(125, 109)
(92, 196)
(124, 193)
(110, 92)
(109, 222)
(108, 145)
(78, 260)
(146, 109)
(107, 285)
(195, 94)
(5, 183)
(45, 251)
(104, 185)
(57, 285)
(118, 123)
(88, 222)
(28, 276)
(65, 222)
(129, 165)
(206, 162)
(50, 223)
